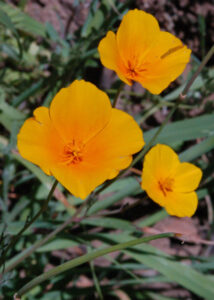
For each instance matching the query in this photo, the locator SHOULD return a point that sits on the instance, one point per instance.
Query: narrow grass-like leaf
(28, 92)
(22, 21)
(113, 223)
(183, 274)
(186, 130)
(14, 227)
(46, 180)
(9, 115)
(156, 296)
(58, 245)
(130, 189)
(86, 258)
(197, 150)
(197, 84)
(6, 21)
(180, 273)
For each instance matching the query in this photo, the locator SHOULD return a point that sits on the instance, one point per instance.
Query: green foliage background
(35, 62)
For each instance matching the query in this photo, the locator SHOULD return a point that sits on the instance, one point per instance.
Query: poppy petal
(109, 55)
(103, 156)
(83, 178)
(165, 61)
(124, 136)
(151, 186)
(136, 34)
(182, 204)
(38, 140)
(81, 140)
(187, 177)
(80, 111)
(162, 160)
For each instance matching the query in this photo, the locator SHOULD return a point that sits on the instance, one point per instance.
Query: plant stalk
(117, 94)
(27, 252)
(86, 258)
(200, 67)
(28, 224)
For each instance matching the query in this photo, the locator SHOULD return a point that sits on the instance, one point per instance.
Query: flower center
(72, 153)
(133, 70)
(166, 185)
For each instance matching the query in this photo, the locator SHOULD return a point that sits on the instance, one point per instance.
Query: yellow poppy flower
(141, 52)
(169, 182)
(80, 140)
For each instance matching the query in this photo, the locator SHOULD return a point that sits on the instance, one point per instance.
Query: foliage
(35, 62)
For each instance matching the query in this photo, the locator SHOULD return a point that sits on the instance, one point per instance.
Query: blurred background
(44, 46)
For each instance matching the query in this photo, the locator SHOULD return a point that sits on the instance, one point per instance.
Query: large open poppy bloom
(141, 52)
(81, 140)
(169, 182)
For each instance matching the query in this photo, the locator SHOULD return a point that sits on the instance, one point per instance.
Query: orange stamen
(166, 185)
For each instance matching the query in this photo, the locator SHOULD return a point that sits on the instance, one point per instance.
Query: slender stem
(27, 252)
(146, 148)
(162, 103)
(201, 66)
(118, 94)
(151, 111)
(86, 258)
(28, 224)
(96, 281)
(136, 171)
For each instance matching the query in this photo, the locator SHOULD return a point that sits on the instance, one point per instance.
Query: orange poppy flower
(169, 182)
(80, 140)
(141, 52)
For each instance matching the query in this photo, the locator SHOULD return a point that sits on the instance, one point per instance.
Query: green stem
(117, 94)
(86, 258)
(96, 281)
(162, 103)
(146, 148)
(28, 224)
(27, 252)
(201, 66)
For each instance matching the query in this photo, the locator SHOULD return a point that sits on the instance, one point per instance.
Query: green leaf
(9, 115)
(22, 21)
(197, 150)
(58, 244)
(46, 180)
(197, 84)
(6, 21)
(86, 258)
(180, 273)
(132, 187)
(153, 219)
(185, 130)
(88, 24)
(110, 223)
(9, 51)
(156, 296)
(14, 227)
(32, 90)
